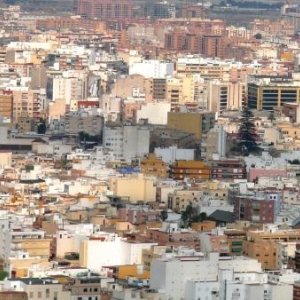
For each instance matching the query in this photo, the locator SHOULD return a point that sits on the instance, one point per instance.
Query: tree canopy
(247, 135)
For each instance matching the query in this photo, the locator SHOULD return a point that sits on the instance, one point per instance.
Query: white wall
(171, 154)
(156, 113)
(152, 69)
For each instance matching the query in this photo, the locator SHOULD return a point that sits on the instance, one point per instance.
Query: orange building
(125, 271)
(261, 245)
(191, 169)
(153, 165)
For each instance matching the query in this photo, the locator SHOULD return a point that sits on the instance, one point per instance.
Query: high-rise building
(127, 141)
(105, 9)
(224, 96)
(269, 92)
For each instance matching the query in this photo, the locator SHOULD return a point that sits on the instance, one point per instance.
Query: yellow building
(192, 122)
(181, 90)
(153, 165)
(135, 187)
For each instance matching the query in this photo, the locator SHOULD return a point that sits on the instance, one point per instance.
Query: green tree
(41, 129)
(189, 215)
(247, 133)
(258, 36)
(164, 215)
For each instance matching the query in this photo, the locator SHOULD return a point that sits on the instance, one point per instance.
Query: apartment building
(155, 89)
(127, 142)
(104, 9)
(207, 68)
(183, 169)
(38, 288)
(181, 90)
(172, 235)
(138, 214)
(32, 102)
(228, 169)
(193, 276)
(224, 96)
(178, 200)
(108, 249)
(70, 23)
(260, 207)
(208, 44)
(86, 122)
(262, 245)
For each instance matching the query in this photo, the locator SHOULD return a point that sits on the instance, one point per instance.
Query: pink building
(255, 173)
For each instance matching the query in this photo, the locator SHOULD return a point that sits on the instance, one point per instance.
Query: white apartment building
(127, 142)
(108, 249)
(152, 68)
(68, 89)
(215, 278)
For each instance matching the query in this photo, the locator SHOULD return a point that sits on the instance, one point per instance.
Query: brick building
(228, 169)
(105, 9)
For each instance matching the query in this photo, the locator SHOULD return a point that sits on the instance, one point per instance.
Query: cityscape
(149, 150)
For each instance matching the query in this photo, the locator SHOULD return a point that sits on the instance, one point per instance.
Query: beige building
(90, 124)
(24, 248)
(25, 123)
(179, 200)
(130, 86)
(29, 101)
(57, 109)
(224, 96)
(5, 159)
(135, 187)
(181, 90)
